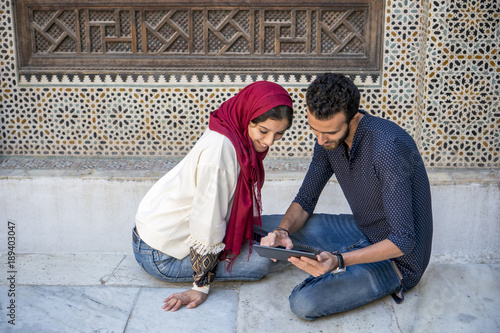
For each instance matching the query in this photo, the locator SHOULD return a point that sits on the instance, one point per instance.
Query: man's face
(331, 132)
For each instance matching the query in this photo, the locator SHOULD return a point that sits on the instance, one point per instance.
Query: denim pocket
(136, 242)
(168, 266)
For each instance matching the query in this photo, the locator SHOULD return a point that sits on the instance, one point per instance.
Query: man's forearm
(294, 218)
(377, 252)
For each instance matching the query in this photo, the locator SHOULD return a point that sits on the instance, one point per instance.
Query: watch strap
(341, 266)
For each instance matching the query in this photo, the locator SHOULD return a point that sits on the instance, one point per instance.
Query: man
(384, 247)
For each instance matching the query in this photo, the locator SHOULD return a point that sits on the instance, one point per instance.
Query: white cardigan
(191, 204)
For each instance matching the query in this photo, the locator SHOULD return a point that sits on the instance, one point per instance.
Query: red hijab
(231, 119)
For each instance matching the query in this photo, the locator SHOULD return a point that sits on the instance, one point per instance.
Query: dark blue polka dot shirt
(384, 180)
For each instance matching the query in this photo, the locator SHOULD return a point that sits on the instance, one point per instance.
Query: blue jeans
(167, 268)
(357, 286)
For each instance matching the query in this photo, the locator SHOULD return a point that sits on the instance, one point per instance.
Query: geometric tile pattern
(440, 82)
(462, 110)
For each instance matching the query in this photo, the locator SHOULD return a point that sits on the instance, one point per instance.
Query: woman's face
(264, 134)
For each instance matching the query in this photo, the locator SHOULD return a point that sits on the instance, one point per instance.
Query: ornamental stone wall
(436, 72)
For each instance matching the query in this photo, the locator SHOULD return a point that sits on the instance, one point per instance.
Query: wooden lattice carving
(166, 35)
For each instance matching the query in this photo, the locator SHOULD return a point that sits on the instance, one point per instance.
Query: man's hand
(276, 238)
(325, 263)
(191, 297)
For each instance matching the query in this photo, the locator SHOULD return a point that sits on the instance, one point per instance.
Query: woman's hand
(326, 262)
(191, 297)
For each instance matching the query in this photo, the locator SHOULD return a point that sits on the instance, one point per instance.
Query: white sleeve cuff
(204, 289)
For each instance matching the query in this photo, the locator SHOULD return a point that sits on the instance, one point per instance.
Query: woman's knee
(244, 269)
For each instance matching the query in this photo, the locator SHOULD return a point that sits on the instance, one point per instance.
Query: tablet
(280, 253)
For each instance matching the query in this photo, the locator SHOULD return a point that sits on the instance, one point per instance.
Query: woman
(205, 209)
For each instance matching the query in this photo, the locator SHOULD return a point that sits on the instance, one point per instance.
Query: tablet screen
(280, 253)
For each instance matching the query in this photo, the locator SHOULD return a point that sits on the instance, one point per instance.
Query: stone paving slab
(69, 309)
(64, 269)
(114, 309)
(110, 293)
(271, 313)
(453, 298)
(450, 298)
(129, 273)
(218, 315)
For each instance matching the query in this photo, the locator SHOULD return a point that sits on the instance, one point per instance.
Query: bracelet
(204, 289)
(282, 229)
(341, 266)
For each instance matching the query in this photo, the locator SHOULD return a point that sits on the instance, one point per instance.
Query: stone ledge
(151, 169)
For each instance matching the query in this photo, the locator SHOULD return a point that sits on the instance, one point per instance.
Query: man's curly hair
(330, 94)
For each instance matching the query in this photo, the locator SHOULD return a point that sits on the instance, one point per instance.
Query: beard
(332, 145)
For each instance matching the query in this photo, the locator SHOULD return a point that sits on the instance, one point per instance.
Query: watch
(341, 266)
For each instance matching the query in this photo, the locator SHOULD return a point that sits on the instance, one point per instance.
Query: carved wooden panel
(279, 36)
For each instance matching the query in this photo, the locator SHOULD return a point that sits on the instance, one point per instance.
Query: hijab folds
(231, 119)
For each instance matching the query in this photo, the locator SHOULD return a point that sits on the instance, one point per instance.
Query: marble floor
(110, 293)
(115, 309)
